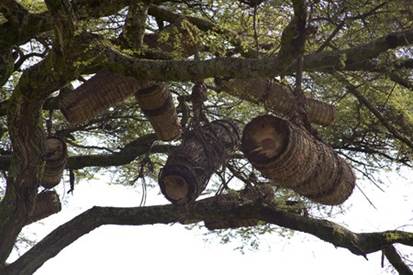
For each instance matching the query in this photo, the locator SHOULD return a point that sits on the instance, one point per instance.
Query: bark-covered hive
(98, 93)
(294, 159)
(157, 105)
(190, 166)
(56, 158)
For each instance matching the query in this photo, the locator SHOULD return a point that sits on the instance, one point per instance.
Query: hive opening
(265, 140)
(176, 187)
(293, 158)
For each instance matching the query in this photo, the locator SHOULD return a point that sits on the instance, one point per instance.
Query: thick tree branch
(27, 138)
(293, 36)
(187, 70)
(131, 151)
(231, 206)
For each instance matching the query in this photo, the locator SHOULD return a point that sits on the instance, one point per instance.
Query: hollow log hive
(157, 105)
(278, 98)
(101, 91)
(190, 166)
(293, 159)
(46, 204)
(56, 158)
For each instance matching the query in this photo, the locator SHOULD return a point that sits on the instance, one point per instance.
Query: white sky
(173, 249)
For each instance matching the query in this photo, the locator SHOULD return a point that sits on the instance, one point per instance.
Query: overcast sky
(173, 249)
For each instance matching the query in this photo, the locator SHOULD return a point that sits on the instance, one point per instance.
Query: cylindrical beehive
(190, 166)
(157, 105)
(46, 204)
(56, 158)
(103, 90)
(293, 159)
(278, 98)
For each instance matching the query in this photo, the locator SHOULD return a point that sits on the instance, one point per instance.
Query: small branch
(396, 261)
(130, 152)
(134, 28)
(364, 101)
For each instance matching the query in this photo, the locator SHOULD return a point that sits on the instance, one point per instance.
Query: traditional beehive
(157, 105)
(190, 166)
(56, 158)
(46, 204)
(101, 91)
(294, 159)
(278, 98)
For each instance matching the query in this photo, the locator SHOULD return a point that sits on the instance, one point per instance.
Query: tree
(351, 54)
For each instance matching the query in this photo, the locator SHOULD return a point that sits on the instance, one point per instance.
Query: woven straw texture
(56, 158)
(157, 104)
(278, 98)
(46, 204)
(103, 90)
(305, 165)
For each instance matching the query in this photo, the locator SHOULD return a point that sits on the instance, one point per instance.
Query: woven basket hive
(190, 166)
(293, 159)
(56, 158)
(278, 98)
(46, 204)
(101, 91)
(157, 105)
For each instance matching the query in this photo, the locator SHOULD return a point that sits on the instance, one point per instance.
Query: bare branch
(396, 261)
(223, 207)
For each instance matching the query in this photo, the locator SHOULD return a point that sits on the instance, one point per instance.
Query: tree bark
(224, 207)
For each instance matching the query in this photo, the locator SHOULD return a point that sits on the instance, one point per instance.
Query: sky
(173, 249)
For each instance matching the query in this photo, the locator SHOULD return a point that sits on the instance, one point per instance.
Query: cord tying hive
(294, 159)
(190, 166)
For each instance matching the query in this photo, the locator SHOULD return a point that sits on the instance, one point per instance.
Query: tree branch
(223, 207)
(396, 261)
(364, 101)
(131, 151)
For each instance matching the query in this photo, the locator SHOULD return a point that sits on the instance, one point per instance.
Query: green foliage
(34, 6)
(357, 133)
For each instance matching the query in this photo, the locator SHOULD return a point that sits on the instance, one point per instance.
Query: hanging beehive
(278, 98)
(56, 158)
(190, 166)
(157, 105)
(46, 204)
(101, 91)
(293, 159)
